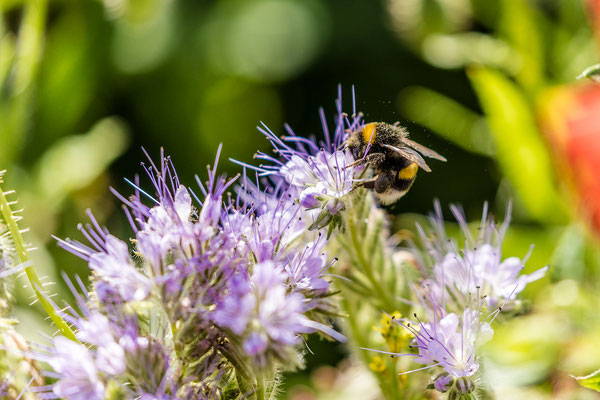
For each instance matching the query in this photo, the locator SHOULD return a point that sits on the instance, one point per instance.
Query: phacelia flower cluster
(206, 291)
(461, 293)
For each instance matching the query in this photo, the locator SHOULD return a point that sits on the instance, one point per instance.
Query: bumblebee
(394, 158)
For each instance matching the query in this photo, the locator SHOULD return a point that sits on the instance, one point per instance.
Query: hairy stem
(260, 388)
(32, 275)
(366, 268)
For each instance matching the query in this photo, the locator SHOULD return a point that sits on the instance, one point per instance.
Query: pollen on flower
(394, 334)
(377, 364)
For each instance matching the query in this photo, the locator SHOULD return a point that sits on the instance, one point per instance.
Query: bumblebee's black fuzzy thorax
(377, 134)
(390, 134)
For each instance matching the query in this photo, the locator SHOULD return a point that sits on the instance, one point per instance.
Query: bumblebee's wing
(411, 155)
(426, 151)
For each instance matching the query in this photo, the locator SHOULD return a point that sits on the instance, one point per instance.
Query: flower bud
(464, 385)
(309, 199)
(443, 383)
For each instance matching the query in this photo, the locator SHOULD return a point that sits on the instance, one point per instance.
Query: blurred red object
(571, 121)
(593, 9)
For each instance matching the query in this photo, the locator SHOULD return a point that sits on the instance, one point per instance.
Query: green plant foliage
(521, 153)
(448, 118)
(591, 381)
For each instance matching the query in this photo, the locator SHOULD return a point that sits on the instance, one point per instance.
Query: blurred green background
(84, 85)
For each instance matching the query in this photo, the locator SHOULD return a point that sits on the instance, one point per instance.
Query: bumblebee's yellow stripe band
(369, 132)
(408, 172)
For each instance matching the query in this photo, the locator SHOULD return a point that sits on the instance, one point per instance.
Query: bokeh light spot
(565, 293)
(268, 40)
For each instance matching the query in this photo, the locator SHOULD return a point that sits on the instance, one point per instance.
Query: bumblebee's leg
(356, 163)
(369, 159)
(368, 184)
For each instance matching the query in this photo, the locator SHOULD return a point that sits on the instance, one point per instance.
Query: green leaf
(459, 50)
(71, 72)
(521, 153)
(522, 25)
(15, 110)
(568, 258)
(591, 381)
(448, 118)
(7, 53)
(92, 153)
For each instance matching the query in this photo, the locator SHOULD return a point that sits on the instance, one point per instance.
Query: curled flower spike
(278, 232)
(210, 291)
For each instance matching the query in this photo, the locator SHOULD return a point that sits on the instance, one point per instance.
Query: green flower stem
(260, 389)
(359, 340)
(242, 370)
(173, 326)
(366, 261)
(394, 379)
(34, 280)
(365, 266)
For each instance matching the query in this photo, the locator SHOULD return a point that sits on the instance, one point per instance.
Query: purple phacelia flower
(478, 269)
(481, 270)
(178, 241)
(451, 342)
(458, 289)
(114, 267)
(78, 377)
(97, 330)
(318, 174)
(266, 313)
(309, 198)
(171, 215)
(274, 230)
(263, 304)
(256, 343)
(307, 266)
(279, 313)
(324, 178)
(109, 341)
(234, 277)
(234, 310)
